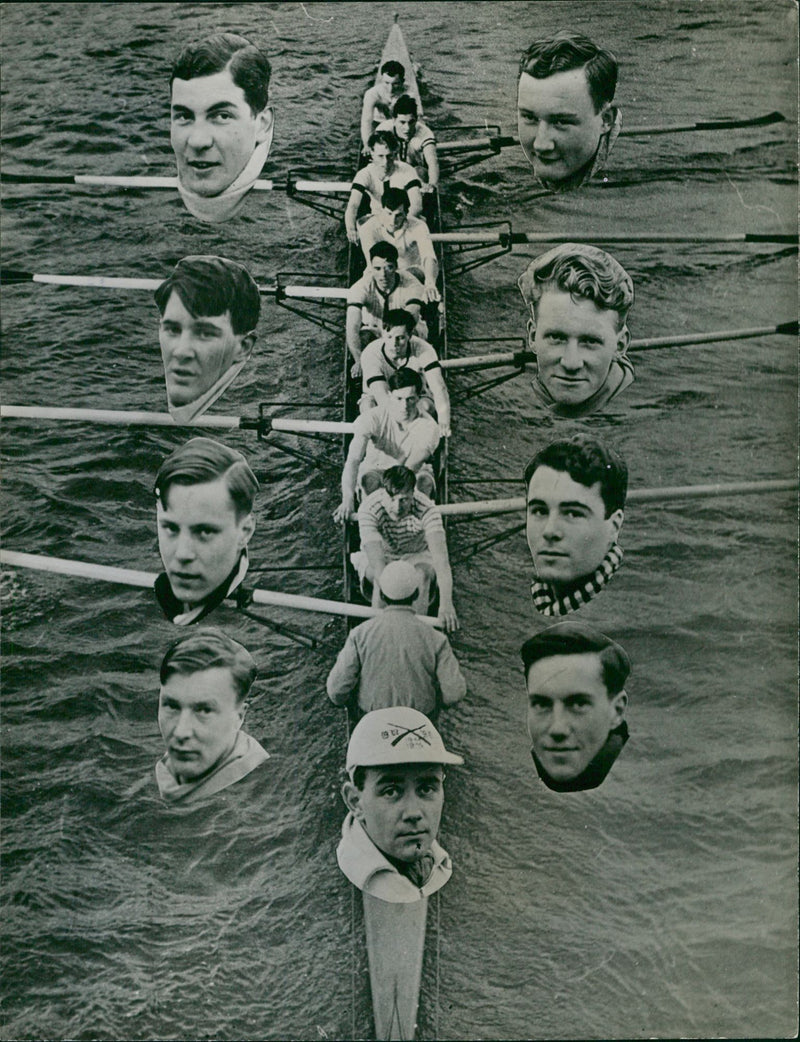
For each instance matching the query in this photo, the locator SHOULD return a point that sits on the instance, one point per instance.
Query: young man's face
(395, 343)
(567, 530)
(199, 716)
(197, 350)
(400, 504)
(392, 86)
(559, 129)
(402, 404)
(393, 219)
(200, 538)
(382, 159)
(399, 807)
(384, 272)
(213, 131)
(574, 342)
(404, 126)
(570, 712)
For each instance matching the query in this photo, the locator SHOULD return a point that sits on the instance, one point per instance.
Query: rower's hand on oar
(342, 513)
(355, 369)
(432, 294)
(448, 619)
(426, 189)
(352, 235)
(444, 430)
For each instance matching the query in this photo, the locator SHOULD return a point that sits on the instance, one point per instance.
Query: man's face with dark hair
(395, 343)
(393, 218)
(197, 350)
(384, 272)
(382, 158)
(200, 537)
(401, 404)
(559, 129)
(405, 123)
(570, 712)
(213, 131)
(399, 807)
(199, 716)
(567, 530)
(575, 342)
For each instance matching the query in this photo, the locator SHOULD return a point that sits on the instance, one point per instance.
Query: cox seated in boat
(378, 100)
(398, 522)
(205, 493)
(399, 349)
(566, 118)
(416, 141)
(409, 236)
(394, 795)
(575, 492)
(205, 680)
(395, 658)
(578, 300)
(221, 123)
(383, 170)
(380, 289)
(393, 432)
(575, 678)
(209, 309)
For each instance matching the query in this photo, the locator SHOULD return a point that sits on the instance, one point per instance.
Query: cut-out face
(200, 537)
(558, 127)
(570, 712)
(213, 131)
(199, 716)
(399, 807)
(567, 529)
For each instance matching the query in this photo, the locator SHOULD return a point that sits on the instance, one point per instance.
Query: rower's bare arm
(355, 454)
(430, 266)
(437, 544)
(350, 215)
(441, 399)
(431, 157)
(377, 562)
(367, 110)
(414, 201)
(353, 337)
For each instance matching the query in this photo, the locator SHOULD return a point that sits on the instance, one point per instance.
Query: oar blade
(737, 124)
(36, 179)
(11, 276)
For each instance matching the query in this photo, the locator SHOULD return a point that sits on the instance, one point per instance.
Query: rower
(209, 310)
(397, 349)
(394, 794)
(205, 493)
(575, 678)
(221, 124)
(410, 235)
(393, 432)
(398, 522)
(578, 299)
(384, 170)
(566, 118)
(377, 103)
(417, 144)
(576, 493)
(397, 659)
(380, 289)
(205, 680)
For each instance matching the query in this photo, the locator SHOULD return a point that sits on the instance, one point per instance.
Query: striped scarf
(548, 602)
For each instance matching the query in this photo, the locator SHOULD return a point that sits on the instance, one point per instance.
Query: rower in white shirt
(410, 235)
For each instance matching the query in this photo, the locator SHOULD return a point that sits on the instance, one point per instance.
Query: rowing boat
(395, 933)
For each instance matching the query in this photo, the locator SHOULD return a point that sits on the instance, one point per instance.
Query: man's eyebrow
(220, 105)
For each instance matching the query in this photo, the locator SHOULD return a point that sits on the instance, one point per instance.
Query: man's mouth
(185, 578)
(183, 375)
(184, 755)
(551, 553)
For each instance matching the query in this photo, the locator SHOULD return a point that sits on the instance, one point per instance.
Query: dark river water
(662, 904)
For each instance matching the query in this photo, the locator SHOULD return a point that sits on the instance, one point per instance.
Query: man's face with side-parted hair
(559, 129)
(213, 131)
(567, 529)
(570, 712)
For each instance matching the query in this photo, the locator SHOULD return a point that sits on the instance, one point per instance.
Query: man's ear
(531, 330)
(623, 339)
(264, 123)
(618, 702)
(247, 344)
(616, 520)
(608, 114)
(351, 795)
(246, 529)
(242, 711)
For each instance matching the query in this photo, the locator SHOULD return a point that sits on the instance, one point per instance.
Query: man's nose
(543, 138)
(559, 724)
(412, 811)
(184, 346)
(199, 136)
(552, 526)
(571, 358)
(184, 547)
(183, 725)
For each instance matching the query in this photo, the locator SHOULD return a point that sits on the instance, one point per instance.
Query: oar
(498, 359)
(291, 186)
(506, 238)
(13, 276)
(121, 418)
(496, 142)
(642, 495)
(129, 577)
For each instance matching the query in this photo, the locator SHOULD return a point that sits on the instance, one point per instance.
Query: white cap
(396, 735)
(399, 580)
